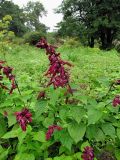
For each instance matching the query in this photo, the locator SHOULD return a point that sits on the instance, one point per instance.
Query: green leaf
(91, 132)
(11, 120)
(12, 134)
(77, 113)
(99, 136)
(118, 132)
(25, 156)
(76, 131)
(109, 130)
(117, 154)
(3, 126)
(49, 120)
(64, 137)
(94, 116)
(39, 136)
(84, 144)
(3, 153)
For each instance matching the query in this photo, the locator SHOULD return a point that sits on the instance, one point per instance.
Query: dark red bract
(116, 101)
(7, 71)
(51, 130)
(23, 118)
(88, 153)
(57, 73)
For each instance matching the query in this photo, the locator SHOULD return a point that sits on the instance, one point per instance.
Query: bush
(33, 37)
(72, 42)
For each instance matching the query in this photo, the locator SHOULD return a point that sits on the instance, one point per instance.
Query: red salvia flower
(57, 73)
(88, 153)
(23, 118)
(51, 130)
(116, 101)
(7, 71)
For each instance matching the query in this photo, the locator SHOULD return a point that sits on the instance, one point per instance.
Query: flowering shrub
(56, 125)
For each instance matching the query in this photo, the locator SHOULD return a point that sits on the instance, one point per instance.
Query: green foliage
(33, 37)
(90, 21)
(88, 119)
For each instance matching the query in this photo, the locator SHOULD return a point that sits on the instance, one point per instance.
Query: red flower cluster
(59, 77)
(88, 153)
(7, 71)
(116, 101)
(23, 118)
(51, 130)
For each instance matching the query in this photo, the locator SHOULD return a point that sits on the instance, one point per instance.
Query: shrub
(33, 37)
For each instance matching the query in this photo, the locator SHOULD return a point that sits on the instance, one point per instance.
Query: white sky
(51, 19)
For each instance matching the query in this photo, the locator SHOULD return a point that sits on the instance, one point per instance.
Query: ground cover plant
(73, 119)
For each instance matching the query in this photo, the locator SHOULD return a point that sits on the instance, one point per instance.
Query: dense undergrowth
(88, 118)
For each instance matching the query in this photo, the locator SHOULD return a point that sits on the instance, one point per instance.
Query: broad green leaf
(94, 116)
(11, 119)
(49, 120)
(84, 144)
(77, 131)
(99, 136)
(109, 130)
(91, 132)
(117, 154)
(64, 137)
(39, 136)
(3, 126)
(118, 132)
(77, 113)
(12, 134)
(24, 156)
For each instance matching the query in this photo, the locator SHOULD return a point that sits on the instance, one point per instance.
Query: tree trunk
(91, 42)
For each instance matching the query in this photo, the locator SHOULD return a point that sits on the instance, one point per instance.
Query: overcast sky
(51, 19)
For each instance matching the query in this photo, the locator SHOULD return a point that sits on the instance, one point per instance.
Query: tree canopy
(95, 19)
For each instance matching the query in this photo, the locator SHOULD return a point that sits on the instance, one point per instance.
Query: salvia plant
(60, 122)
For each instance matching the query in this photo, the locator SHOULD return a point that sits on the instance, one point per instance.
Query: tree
(18, 21)
(33, 11)
(97, 16)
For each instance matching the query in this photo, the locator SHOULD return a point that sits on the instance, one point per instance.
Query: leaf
(109, 130)
(39, 136)
(11, 120)
(118, 132)
(84, 144)
(49, 120)
(64, 137)
(77, 113)
(99, 136)
(12, 134)
(117, 154)
(76, 131)
(94, 132)
(3, 126)
(25, 156)
(94, 116)
(3, 153)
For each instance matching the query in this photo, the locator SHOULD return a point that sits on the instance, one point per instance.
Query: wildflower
(88, 153)
(57, 73)
(23, 118)
(51, 130)
(116, 101)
